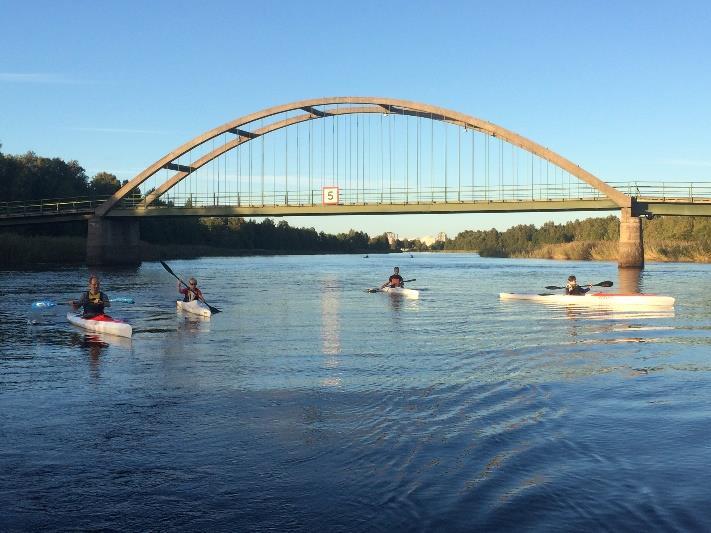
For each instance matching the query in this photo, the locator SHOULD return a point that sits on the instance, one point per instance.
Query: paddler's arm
(76, 304)
(105, 300)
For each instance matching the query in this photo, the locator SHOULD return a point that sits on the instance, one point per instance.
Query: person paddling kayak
(573, 289)
(395, 280)
(92, 301)
(191, 292)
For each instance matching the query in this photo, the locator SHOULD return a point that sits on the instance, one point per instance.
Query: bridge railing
(370, 196)
(53, 206)
(680, 191)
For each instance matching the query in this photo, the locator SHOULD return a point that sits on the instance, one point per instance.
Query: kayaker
(395, 280)
(191, 292)
(573, 289)
(92, 301)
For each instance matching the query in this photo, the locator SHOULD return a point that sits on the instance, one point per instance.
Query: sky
(621, 88)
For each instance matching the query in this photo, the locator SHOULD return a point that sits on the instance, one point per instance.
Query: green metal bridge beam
(671, 208)
(44, 219)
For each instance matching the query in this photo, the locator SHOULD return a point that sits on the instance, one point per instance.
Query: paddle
(213, 310)
(601, 284)
(379, 289)
(46, 304)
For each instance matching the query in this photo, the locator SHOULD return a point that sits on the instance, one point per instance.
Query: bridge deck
(73, 209)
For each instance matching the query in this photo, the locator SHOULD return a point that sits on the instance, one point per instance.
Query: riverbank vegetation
(665, 239)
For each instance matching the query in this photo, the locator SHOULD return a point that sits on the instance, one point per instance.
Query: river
(309, 404)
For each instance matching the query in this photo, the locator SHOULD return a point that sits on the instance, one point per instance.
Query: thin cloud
(686, 162)
(35, 77)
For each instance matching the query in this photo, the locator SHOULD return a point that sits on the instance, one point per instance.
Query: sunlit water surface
(310, 404)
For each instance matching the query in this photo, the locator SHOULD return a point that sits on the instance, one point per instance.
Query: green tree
(104, 184)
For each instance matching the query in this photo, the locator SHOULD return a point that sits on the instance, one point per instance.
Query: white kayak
(597, 298)
(402, 291)
(196, 307)
(102, 324)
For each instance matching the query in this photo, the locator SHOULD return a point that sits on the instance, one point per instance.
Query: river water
(309, 404)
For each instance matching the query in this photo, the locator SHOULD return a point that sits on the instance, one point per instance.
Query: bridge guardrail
(389, 195)
(667, 191)
(49, 206)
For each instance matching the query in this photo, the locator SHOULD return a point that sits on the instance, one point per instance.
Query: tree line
(32, 177)
(527, 237)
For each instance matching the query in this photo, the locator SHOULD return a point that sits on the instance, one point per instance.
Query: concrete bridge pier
(113, 242)
(630, 253)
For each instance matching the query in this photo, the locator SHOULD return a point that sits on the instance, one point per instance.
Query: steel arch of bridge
(359, 105)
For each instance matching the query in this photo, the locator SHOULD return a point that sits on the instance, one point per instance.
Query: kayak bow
(102, 324)
(401, 291)
(196, 307)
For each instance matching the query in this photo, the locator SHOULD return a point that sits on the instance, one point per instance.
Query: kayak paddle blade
(123, 300)
(44, 304)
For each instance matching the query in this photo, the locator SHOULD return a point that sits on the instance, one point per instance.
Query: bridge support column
(630, 253)
(113, 242)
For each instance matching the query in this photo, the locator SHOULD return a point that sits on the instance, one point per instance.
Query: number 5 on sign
(330, 195)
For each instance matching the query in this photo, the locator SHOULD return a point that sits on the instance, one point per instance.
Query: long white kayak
(402, 291)
(102, 324)
(196, 307)
(598, 298)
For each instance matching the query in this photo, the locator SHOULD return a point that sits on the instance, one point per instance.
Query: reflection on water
(192, 323)
(330, 332)
(94, 344)
(629, 280)
(330, 319)
(310, 405)
(611, 313)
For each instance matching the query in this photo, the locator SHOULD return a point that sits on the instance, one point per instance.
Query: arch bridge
(362, 155)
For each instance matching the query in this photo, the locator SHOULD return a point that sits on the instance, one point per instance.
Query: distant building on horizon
(392, 237)
(429, 240)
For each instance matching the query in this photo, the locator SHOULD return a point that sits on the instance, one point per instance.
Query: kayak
(597, 298)
(102, 324)
(196, 307)
(401, 291)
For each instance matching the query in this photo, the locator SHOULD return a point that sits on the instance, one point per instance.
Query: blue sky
(620, 88)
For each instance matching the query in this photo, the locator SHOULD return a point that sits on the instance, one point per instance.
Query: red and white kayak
(596, 298)
(102, 324)
(195, 307)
